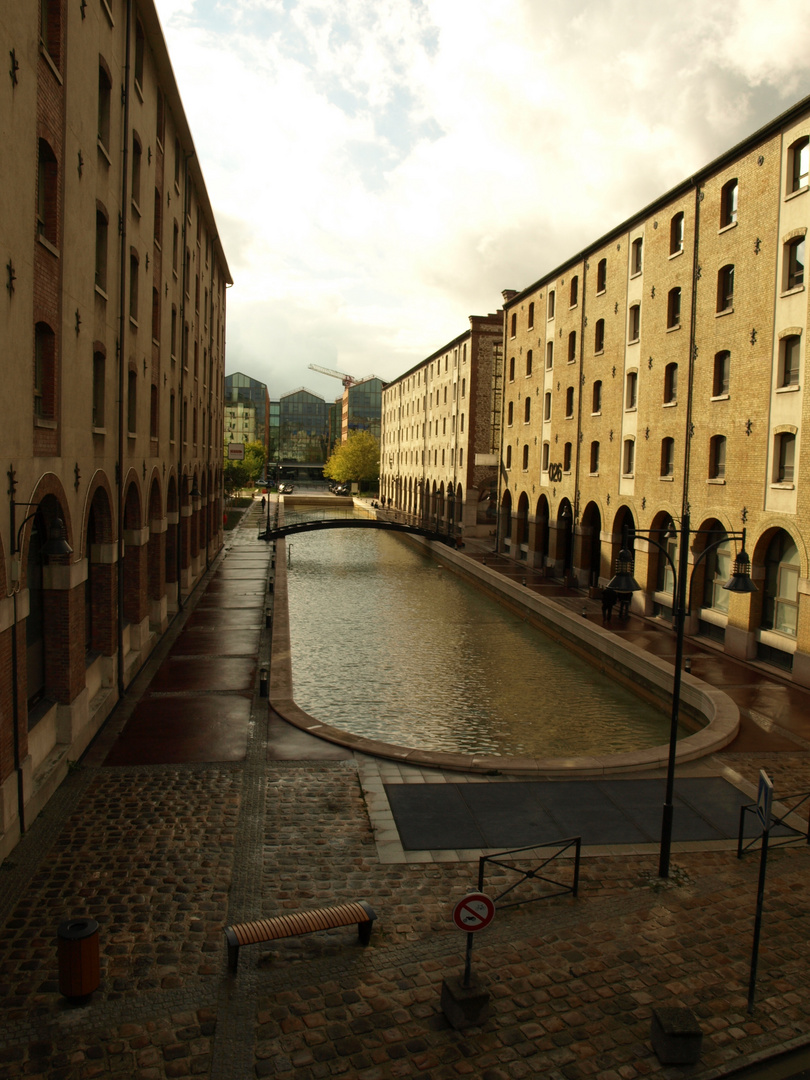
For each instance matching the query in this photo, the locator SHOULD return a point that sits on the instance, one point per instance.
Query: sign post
(463, 1002)
(764, 803)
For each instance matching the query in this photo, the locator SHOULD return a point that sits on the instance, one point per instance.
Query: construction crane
(347, 380)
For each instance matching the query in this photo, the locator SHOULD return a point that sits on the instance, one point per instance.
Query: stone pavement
(176, 824)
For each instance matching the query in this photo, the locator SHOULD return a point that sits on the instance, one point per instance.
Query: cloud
(381, 169)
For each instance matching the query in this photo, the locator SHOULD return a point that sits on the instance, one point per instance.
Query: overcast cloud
(382, 169)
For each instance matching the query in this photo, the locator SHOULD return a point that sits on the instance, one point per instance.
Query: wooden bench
(299, 922)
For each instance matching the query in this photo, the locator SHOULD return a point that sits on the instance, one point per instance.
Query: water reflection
(387, 644)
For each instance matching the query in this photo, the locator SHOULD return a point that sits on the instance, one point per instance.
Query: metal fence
(535, 871)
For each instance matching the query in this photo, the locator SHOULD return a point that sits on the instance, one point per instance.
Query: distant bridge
(354, 523)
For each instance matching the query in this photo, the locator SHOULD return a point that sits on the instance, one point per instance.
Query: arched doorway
(541, 532)
(590, 530)
(565, 538)
(779, 618)
(505, 525)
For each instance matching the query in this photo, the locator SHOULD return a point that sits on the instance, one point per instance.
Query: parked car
(286, 489)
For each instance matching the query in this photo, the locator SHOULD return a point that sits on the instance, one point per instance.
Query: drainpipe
(687, 442)
(122, 307)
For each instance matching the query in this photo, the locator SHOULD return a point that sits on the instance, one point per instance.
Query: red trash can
(78, 952)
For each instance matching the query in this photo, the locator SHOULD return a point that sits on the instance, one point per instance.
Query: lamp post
(451, 509)
(623, 581)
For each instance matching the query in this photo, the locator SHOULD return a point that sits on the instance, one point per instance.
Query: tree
(255, 457)
(236, 475)
(358, 459)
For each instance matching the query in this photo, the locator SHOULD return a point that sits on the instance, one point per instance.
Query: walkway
(178, 822)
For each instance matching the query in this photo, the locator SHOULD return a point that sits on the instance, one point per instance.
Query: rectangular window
(790, 348)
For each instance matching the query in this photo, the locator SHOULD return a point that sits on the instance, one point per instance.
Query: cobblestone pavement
(164, 855)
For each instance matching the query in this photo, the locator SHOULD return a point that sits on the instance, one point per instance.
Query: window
(631, 390)
(132, 402)
(513, 325)
(722, 366)
(674, 308)
(171, 417)
(463, 387)
(572, 347)
(636, 256)
(101, 248)
(174, 333)
(547, 406)
(667, 457)
(136, 172)
(158, 219)
(634, 324)
(160, 117)
(47, 194)
(511, 370)
(155, 315)
(594, 457)
(139, 51)
(789, 353)
(508, 457)
(527, 410)
(153, 412)
(718, 571)
(601, 276)
(794, 263)
(133, 286)
(597, 397)
(676, 234)
(780, 606)
(728, 204)
(44, 372)
(569, 402)
(549, 355)
(525, 457)
(551, 303)
(799, 164)
(725, 289)
(529, 362)
(50, 28)
(717, 457)
(104, 99)
(574, 292)
(99, 364)
(599, 336)
(510, 413)
(546, 450)
(671, 384)
(628, 457)
(567, 457)
(785, 457)
(531, 316)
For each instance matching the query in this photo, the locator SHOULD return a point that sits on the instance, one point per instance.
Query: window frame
(729, 195)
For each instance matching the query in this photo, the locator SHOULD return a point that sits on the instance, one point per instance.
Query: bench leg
(364, 931)
(233, 956)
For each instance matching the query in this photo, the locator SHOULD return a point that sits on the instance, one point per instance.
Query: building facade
(303, 419)
(361, 407)
(247, 411)
(441, 433)
(114, 339)
(660, 373)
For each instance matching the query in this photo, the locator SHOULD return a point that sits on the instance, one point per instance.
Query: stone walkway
(176, 824)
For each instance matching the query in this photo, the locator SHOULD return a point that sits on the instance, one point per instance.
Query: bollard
(79, 968)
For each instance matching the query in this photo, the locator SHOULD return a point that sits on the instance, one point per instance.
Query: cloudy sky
(382, 169)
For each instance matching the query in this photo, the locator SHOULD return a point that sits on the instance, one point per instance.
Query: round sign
(474, 912)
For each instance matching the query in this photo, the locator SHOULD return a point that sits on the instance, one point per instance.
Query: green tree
(358, 459)
(236, 475)
(255, 457)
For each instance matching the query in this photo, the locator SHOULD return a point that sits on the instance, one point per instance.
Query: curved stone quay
(184, 817)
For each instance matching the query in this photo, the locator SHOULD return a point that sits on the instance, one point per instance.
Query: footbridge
(281, 531)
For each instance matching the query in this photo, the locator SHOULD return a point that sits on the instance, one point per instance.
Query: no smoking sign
(474, 912)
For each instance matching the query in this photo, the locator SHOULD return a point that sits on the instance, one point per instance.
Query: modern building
(660, 372)
(361, 407)
(113, 332)
(247, 411)
(303, 419)
(441, 433)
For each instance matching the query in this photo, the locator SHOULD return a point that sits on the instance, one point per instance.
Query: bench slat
(295, 923)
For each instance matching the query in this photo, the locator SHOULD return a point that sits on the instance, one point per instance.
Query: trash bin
(79, 969)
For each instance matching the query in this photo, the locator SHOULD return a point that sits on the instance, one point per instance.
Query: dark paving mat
(436, 816)
(180, 730)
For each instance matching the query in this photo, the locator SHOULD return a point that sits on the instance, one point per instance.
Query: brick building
(441, 433)
(113, 336)
(660, 372)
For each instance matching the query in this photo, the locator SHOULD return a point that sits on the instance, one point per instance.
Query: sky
(380, 170)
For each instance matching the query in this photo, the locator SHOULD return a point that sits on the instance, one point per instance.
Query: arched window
(572, 347)
(798, 164)
(596, 404)
(574, 294)
(132, 402)
(725, 288)
(529, 362)
(510, 411)
(674, 308)
(676, 234)
(789, 355)
(601, 276)
(104, 98)
(728, 203)
(599, 336)
(722, 368)
(47, 194)
(671, 383)
(793, 263)
(780, 607)
(525, 457)
(667, 457)
(717, 457)
(594, 457)
(717, 572)
(509, 457)
(527, 410)
(531, 316)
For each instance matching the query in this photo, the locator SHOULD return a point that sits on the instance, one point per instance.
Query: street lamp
(623, 581)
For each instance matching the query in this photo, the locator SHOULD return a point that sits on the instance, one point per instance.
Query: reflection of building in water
(247, 411)
(441, 433)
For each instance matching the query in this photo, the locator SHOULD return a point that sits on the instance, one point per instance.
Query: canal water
(389, 645)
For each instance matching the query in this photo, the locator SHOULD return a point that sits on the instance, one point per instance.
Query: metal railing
(794, 835)
(534, 873)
